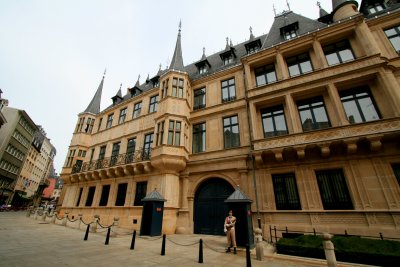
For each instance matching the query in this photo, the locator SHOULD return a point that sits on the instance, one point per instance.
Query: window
(199, 99)
(104, 195)
(286, 194)
(253, 46)
(372, 9)
(393, 34)
(89, 199)
(153, 104)
(290, 31)
(299, 65)
(148, 141)
(177, 87)
(160, 133)
(290, 34)
(359, 105)
(174, 133)
(396, 170)
(102, 152)
(141, 188)
(130, 150)
(313, 114)
(122, 116)
(333, 189)
(79, 197)
(164, 88)
(114, 153)
(228, 90)
(203, 69)
(273, 120)
(231, 132)
(265, 74)
(121, 194)
(137, 109)
(227, 58)
(109, 120)
(199, 138)
(338, 52)
(89, 125)
(100, 121)
(91, 155)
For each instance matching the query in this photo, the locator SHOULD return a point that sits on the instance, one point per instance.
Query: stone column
(329, 250)
(293, 114)
(366, 38)
(281, 67)
(391, 86)
(259, 245)
(185, 188)
(319, 53)
(191, 207)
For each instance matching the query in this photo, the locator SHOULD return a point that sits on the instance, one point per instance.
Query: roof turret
(177, 60)
(94, 105)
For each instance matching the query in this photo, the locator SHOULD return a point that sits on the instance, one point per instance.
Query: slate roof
(94, 105)
(154, 196)
(336, 4)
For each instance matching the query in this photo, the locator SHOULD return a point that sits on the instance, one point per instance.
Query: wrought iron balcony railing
(121, 159)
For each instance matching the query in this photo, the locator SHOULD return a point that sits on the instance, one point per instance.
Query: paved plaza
(29, 242)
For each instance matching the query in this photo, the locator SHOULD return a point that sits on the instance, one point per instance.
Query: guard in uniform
(229, 229)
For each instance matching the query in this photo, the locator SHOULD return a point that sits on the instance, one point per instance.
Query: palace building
(305, 120)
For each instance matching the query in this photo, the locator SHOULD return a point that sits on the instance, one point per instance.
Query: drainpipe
(251, 148)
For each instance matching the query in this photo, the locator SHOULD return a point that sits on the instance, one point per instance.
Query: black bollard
(108, 236)
(201, 251)
(87, 232)
(133, 240)
(163, 245)
(248, 259)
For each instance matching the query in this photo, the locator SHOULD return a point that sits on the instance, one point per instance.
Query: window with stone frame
(148, 142)
(122, 116)
(153, 104)
(160, 133)
(105, 192)
(285, 191)
(265, 74)
(299, 65)
(199, 100)
(137, 108)
(164, 88)
(338, 52)
(228, 90)
(141, 189)
(99, 126)
(231, 132)
(313, 114)
(130, 150)
(174, 133)
(121, 194)
(89, 199)
(79, 197)
(273, 121)
(393, 34)
(115, 153)
(376, 7)
(177, 87)
(227, 58)
(359, 105)
(199, 138)
(333, 190)
(89, 125)
(109, 120)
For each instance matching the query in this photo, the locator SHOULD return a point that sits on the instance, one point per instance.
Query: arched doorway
(210, 209)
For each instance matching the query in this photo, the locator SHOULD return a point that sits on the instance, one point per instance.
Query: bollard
(329, 250)
(259, 245)
(53, 219)
(201, 251)
(79, 220)
(133, 240)
(28, 212)
(108, 236)
(115, 226)
(163, 245)
(248, 259)
(87, 233)
(93, 227)
(36, 214)
(64, 222)
(44, 216)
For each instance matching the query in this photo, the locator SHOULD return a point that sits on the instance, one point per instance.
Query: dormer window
(203, 66)
(228, 56)
(227, 59)
(135, 91)
(203, 69)
(253, 46)
(290, 31)
(372, 9)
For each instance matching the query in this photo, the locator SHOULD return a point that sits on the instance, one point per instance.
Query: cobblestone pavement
(28, 242)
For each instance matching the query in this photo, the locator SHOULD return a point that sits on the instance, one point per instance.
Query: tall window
(122, 116)
(115, 153)
(130, 150)
(286, 194)
(102, 152)
(174, 133)
(203, 69)
(89, 199)
(333, 189)
(199, 137)
(359, 105)
(299, 64)
(121, 194)
(153, 104)
(393, 34)
(164, 88)
(160, 133)
(79, 197)
(137, 108)
(231, 132)
(177, 87)
(99, 126)
(141, 188)
(339, 52)
(396, 170)
(148, 141)
(313, 114)
(265, 74)
(104, 195)
(199, 99)
(109, 120)
(273, 120)
(89, 125)
(228, 90)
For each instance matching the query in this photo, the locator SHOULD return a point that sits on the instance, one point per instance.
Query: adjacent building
(3, 102)
(305, 119)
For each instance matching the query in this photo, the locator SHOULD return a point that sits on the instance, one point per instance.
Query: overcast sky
(53, 52)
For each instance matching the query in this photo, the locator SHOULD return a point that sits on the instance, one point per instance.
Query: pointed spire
(287, 3)
(251, 34)
(273, 7)
(148, 78)
(227, 47)
(94, 105)
(138, 81)
(119, 93)
(204, 54)
(322, 12)
(177, 60)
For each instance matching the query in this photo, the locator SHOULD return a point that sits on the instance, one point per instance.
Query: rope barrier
(72, 220)
(205, 244)
(154, 239)
(85, 223)
(102, 226)
(184, 245)
(59, 218)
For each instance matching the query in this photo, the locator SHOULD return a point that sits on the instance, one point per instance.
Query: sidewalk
(28, 242)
